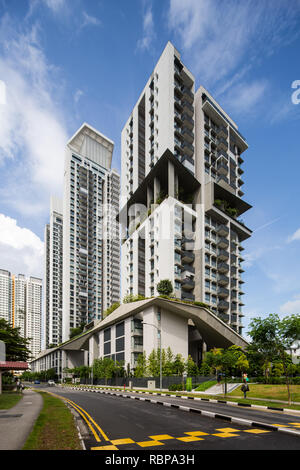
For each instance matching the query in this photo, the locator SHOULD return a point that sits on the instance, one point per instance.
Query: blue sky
(65, 62)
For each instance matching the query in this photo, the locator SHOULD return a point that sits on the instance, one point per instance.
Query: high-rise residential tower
(6, 295)
(21, 306)
(91, 253)
(53, 281)
(181, 193)
(34, 313)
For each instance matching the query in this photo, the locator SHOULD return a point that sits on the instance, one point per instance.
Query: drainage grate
(11, 416)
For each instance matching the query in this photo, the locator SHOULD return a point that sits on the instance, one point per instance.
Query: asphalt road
(112, 422)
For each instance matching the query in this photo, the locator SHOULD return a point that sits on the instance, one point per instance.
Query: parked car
(36, 381)
(51, 383)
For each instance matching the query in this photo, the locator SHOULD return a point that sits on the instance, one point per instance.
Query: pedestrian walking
(245, 388)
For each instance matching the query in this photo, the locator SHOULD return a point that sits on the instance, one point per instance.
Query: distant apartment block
(34, 314)
(21, 306)
(53, 275)
(91, 251)
(181, 194)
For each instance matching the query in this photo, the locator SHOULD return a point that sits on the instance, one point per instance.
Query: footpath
(17, 422)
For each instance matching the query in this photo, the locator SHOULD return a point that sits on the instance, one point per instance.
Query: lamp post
(160, 354)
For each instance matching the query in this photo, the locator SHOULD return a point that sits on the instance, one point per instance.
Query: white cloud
(295, 236)
(32, 128)
(21, 250)
(89, 20)
(291, 307)
(77, 95)
(217, 36)
(148, 30)
(245, 97)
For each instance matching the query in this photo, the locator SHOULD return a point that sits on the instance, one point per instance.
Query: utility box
(151, 384)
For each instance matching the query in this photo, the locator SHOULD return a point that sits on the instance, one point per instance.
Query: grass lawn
(55, 428)
(273, 392)
(9, 399)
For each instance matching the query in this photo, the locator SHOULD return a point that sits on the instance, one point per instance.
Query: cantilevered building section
(219, 160)
(53, 281)
(90, 243)
(181, 194)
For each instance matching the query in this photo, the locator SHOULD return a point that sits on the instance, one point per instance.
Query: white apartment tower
(34, 314)
(19, 302)
(91, 252)
(5, 295)
(181, 193)
(53, 281)
(21, 306)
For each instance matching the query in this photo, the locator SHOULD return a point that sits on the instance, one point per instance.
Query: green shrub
(205, 385)
(176, 387)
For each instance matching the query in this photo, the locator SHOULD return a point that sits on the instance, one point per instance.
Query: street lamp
(160, 358)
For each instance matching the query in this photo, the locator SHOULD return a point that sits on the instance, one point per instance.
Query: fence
(142, 382)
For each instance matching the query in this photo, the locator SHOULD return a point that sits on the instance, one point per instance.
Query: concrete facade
(90, 234)
(136, 327)
(181, 194)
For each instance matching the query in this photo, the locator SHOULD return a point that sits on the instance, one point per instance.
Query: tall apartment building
(5, 295)
(181, 193)
(34, 314)
(53, 275)
(21, 306)
(91, 252)
(19, 303)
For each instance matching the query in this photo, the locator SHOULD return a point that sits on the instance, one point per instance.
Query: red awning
(12, 365)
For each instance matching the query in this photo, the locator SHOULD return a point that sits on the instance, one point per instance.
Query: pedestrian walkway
(218, 389)
(16, 423)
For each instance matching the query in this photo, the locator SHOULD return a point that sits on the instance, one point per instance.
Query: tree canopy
(16, 346)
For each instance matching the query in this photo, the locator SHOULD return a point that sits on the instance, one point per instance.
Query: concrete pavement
(16, 423)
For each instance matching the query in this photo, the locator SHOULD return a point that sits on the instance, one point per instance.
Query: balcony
(222, 132)
(222, 242)
(222, 280)
(223, 305)
(187, 257)
(187, 283)
(222, 292)
(187, 296)
(222, 230)
(222, 255)
(187, 107)
(187, 134)
(188, 120)
(222, 168)
(188, 94)
(188, 148)
(224, 317)
(188, 268)
(222, 144)
(222, 179)
(223, 267)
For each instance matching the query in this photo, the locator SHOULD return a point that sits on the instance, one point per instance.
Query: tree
(178, 365)
(274, 337)
(141, 368)
(190, 367)
(15, 345)
(77, 331)
(153, 363)
(168, 363)
(227, 360)
(164, 287)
